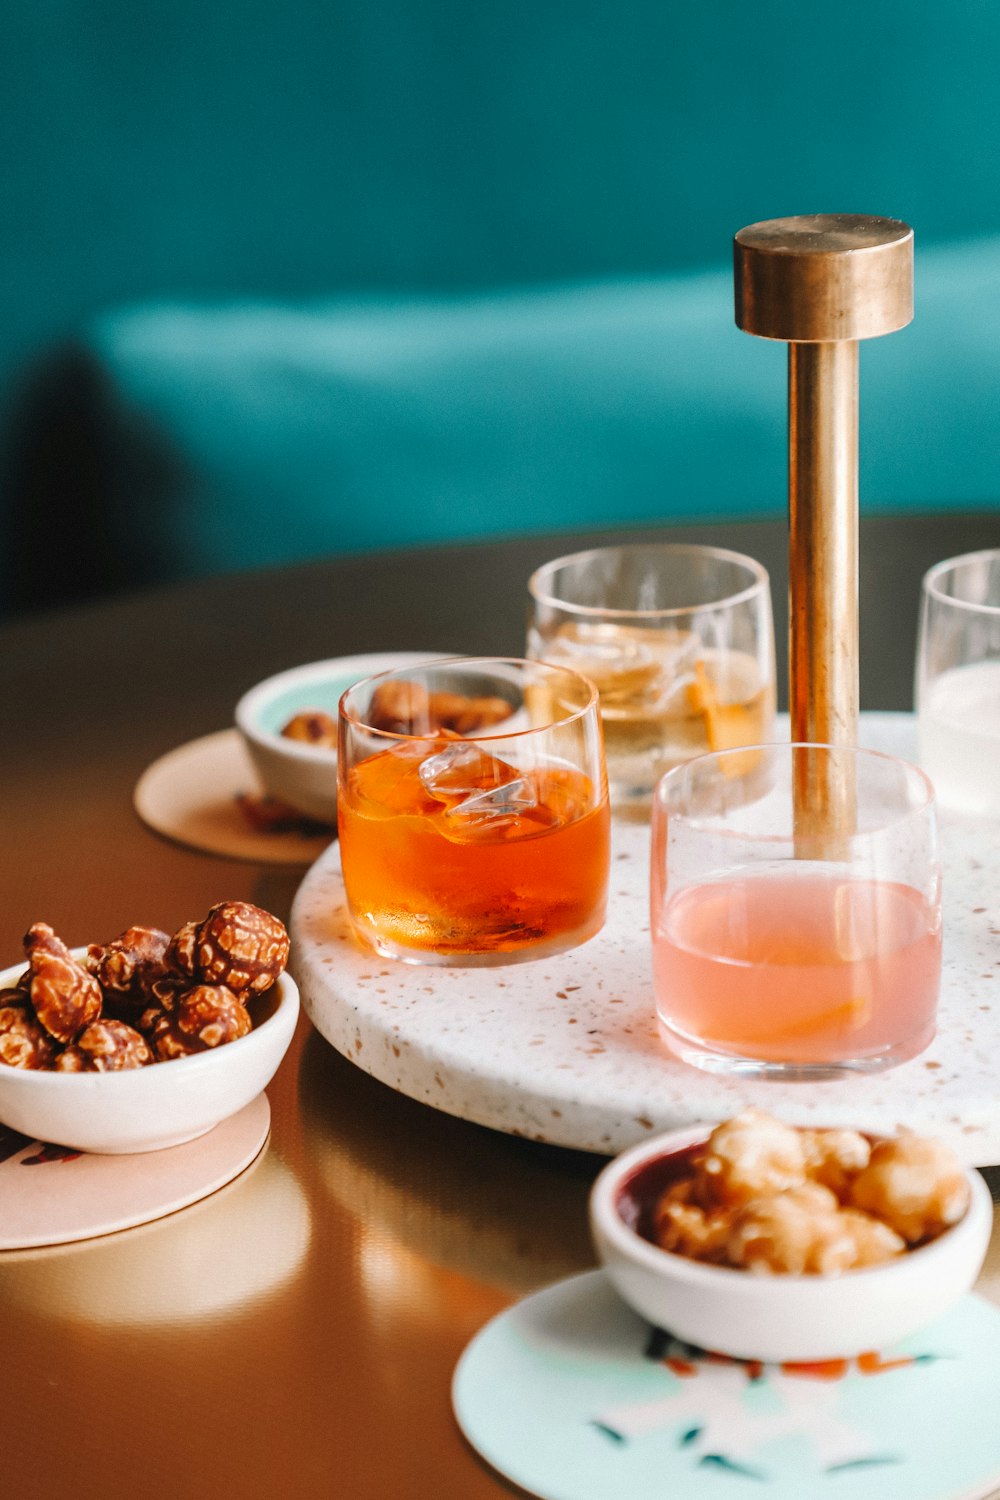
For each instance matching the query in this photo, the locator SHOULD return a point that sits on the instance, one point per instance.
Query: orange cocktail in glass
(780, 953)
(473, 811)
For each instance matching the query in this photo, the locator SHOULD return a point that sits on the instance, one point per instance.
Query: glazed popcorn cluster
(768, 1198)
(403, 708)
(144, 997)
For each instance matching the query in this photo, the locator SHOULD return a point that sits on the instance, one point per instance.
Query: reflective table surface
(296, 1332)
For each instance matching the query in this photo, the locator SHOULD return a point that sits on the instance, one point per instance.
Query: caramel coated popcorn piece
(164, 994)
(128, 966)
(105, 1046)
(207, 1016)
(23, 1043)
(874, 1242)
(240, 946)
(64, 996)
(400, 708)
(465, 715)
(683, 1226)
(834, 1158)
(164, 991)
(181, 953)
(796, 1232)
(914, 1184)
(408, 708)
(312, 727)
(750, 1155)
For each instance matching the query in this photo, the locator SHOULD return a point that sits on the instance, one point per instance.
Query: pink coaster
(190, 796)
(71, 1195)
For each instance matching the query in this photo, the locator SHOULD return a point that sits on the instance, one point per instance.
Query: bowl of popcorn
(763, 1241)
(148, 1040)
(289, 726)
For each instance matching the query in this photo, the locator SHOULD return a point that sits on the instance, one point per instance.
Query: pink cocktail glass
(775, 954)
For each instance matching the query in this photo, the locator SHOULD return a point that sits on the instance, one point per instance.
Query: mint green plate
(570, 1395)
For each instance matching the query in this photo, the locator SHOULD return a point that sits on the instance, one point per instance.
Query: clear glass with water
(958, 682)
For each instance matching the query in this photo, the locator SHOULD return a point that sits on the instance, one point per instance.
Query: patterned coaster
(72, 1195)
(191, 796)
(573, 1397)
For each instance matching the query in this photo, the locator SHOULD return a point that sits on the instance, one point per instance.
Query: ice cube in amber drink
(477, 850)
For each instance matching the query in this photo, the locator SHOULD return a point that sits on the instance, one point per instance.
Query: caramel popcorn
(23, 1043)
(914, 1185)
(772, 1200)
(105, 1046)
(408, 708)
(312, 727)
(833, 1157)
(795, 1232)
(206, 1016)
(750, 1155)
(130, 964)
(143, 997)
(681, 1224)
(64, 996)
(465, 715)
(240, 946)
(181, 953)
(873, 1240)
(400, 708)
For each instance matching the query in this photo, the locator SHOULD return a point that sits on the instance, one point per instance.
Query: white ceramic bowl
(778, 1318)
(305, 776)
(163, 1104)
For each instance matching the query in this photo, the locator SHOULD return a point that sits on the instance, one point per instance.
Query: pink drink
(808, 967)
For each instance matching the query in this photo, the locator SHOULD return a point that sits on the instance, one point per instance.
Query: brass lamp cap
(820, 278)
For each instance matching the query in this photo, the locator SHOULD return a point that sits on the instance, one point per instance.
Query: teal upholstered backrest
(245, 434)
(247, 153)
(269, 150)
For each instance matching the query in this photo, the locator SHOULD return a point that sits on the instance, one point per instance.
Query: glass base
(710, 1059)
(493, 958)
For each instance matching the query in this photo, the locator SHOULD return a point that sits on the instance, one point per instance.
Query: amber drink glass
(678, 640)
(473, 811)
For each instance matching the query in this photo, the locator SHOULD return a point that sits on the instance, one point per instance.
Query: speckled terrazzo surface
(566, 1049)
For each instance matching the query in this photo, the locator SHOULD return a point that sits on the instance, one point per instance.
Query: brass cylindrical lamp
(822, 282)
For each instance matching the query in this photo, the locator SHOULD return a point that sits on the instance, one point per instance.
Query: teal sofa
(285, 282)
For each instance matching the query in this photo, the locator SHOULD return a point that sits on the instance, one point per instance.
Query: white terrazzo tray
(566, 1049)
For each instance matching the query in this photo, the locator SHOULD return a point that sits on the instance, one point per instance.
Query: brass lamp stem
(823, 541)
(823, 672)
(822, 282)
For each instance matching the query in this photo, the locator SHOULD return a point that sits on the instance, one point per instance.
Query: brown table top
(330, 1375)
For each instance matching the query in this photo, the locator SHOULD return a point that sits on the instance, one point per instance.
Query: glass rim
(948, 564)
(761, 581)
(913, 772)
(470, 661)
